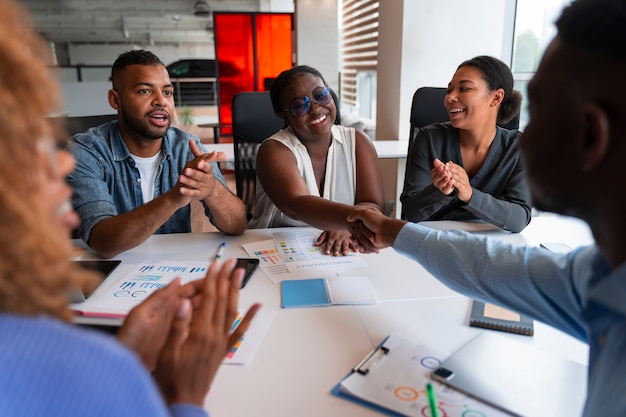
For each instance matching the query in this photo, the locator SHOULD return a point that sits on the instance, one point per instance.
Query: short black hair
(498, 75)
(596, 26)
(135, 57)
(285, 78)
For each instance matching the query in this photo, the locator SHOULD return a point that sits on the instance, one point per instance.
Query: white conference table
(306, 351)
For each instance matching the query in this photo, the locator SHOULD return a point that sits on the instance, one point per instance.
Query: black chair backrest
(428, 108)
(80, 124)
(254, 120)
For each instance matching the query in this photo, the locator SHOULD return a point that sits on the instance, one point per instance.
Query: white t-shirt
(147, 172)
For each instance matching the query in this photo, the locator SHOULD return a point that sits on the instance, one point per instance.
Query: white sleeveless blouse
(339, 183)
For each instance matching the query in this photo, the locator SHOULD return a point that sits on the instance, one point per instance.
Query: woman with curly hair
(50, 367)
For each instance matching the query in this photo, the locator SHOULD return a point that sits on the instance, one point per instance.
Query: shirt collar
(120, 150)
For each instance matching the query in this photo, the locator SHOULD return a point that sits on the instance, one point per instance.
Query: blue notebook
(305, 293)
(317, 292)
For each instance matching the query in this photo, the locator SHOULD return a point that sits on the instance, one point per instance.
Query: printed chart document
(299, 253)
(116, 299)
(392, 379)
(270, 260)
(245, 348)
(113, 300)
(293, 255)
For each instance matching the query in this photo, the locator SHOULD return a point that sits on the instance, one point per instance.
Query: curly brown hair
(35, 272)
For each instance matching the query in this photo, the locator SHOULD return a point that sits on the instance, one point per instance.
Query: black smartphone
(104, 266)
(250, 265)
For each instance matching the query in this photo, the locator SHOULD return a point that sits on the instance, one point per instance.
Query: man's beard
(143, 128)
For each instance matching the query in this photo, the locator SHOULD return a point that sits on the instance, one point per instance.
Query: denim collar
(120, 150)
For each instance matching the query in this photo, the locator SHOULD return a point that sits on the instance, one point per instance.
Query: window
(534, 29)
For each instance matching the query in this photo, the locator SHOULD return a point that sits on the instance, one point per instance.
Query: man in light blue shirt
(137, 176)
(574, 149)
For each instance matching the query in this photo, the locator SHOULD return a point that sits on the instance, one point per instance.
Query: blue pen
(220, 252)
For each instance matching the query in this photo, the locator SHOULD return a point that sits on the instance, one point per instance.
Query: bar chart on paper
(137, 285)
(300, 254)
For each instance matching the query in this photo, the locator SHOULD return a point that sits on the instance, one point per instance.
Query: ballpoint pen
(432, 402)
(220, 252)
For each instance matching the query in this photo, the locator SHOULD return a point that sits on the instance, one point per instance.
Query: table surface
(306, 351)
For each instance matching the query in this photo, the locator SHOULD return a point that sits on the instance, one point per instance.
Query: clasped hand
(183, 333)
(197, 181)
(451, 177)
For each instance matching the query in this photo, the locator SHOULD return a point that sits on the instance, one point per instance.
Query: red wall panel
(250, 48)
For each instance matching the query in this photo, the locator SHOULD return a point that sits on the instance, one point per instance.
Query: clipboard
(363, 367)
(391, 379)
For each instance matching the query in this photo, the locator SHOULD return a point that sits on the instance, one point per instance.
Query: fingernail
(184, 309)
(239, 280)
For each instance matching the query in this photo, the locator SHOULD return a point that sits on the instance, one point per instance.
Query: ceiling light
(201, 9)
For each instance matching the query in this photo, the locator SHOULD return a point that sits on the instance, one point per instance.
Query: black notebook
(490, 316)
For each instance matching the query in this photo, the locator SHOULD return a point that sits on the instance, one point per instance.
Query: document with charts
(269, 260)
(394, 377)
(299, 253)
(244, 349)
(117, 298)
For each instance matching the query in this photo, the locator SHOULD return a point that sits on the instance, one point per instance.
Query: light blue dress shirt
(106, 181)
(577, 293)
(50, 368)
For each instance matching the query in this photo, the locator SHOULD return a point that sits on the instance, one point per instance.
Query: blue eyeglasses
(300, 106)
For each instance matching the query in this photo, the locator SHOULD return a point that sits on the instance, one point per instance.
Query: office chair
(428, 108)
(79, 124)
(253, 121)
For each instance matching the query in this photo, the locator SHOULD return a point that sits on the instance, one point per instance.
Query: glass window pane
(534, 29)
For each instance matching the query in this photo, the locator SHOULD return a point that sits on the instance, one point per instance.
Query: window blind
(359, 44)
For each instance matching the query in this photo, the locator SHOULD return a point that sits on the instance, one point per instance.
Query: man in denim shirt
(136, 176)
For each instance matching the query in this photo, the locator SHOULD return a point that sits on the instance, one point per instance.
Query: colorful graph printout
(270, 260)
(142, 281)
(300, 254)
(245, 348)
(397, 381)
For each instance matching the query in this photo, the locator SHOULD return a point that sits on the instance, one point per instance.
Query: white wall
(433, 38)
(86, 99)
(317, 40)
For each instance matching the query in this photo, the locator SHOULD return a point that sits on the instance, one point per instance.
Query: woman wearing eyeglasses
(313, 172)
(470, 168)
